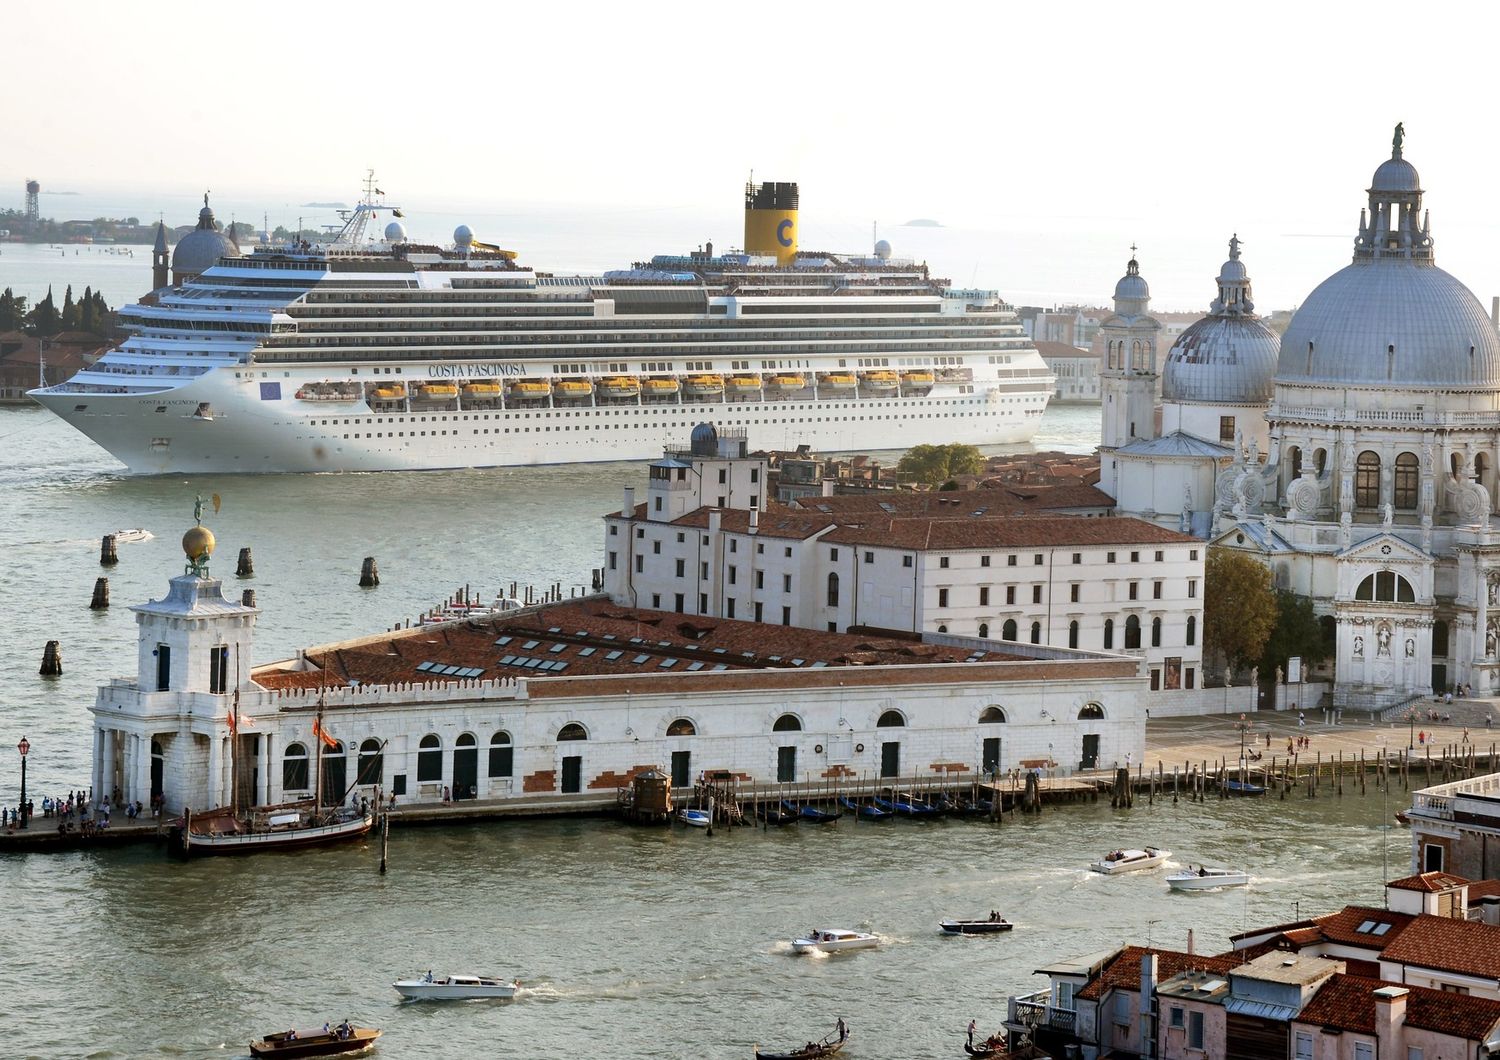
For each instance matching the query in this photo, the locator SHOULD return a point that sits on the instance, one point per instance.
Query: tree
(1297, 632)
(1239, 606)
(933, 464)
(69, 311)
(44, 320)
(12, 310)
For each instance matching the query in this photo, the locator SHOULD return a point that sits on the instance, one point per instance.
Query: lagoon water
(631, 942)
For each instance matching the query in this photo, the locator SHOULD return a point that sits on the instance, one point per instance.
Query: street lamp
(1411, 739)
(23, 747)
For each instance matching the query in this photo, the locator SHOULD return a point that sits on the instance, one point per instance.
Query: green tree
(1297, 632)
(934, 464)
(69, 311)
(1239, 606)
(44, 320)
(12, 310)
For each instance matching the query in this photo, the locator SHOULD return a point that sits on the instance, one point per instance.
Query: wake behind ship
(378, 353)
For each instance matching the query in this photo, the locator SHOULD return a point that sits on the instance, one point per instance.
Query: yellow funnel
(771, 221)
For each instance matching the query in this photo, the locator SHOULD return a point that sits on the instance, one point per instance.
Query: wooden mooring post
(108, 556)
(100, 602)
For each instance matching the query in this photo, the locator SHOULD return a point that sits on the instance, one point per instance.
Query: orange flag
(323, 734)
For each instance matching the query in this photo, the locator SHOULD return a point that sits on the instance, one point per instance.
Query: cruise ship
(373, 352)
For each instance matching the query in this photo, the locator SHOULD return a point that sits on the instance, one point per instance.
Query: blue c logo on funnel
(784, 232)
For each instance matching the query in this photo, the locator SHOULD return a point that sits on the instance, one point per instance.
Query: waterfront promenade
(1182, 743)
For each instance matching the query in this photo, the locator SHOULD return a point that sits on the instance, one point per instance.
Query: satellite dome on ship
(202, 247)
(1228, 357)
(1392, 318)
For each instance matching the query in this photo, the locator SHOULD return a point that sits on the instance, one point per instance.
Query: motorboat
(696, 818)
(134, 533)
(343, 1041)
(456, 988)
(1204, 878)
(835, 940)
(825, 1046)
(992, 925)
(1131, 860)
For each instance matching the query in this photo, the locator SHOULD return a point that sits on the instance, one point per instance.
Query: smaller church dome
(1132, 286)
(1229, 357)
(202, 247)
(1396, 174)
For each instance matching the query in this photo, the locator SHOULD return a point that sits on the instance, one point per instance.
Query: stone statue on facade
(1383, 640)
(1388, 516)
(1411, 648)
(1359, 647)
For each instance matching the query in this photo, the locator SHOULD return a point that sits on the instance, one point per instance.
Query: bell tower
(159, 258)
(1128, 376)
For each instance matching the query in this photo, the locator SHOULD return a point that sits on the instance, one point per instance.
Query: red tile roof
(1466, 947)
(1034, 531)
(1343, 927)
(583, 634)
(1348, 1003)
(1483, 889)
(1428, 882)
(1124, 971)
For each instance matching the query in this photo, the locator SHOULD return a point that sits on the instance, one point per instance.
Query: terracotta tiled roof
(1463, 946)
(1348, 1003)
(1343, 926)
(584, 634)
(1483, 889)
(1124, 972)
(1059, 531)
(995, 498)
(1429, 882)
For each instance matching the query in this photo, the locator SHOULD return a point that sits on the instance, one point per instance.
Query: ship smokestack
(771, 221)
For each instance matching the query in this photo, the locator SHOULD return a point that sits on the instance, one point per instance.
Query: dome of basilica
(202, 247)
(1228, 357)
(1392, 318)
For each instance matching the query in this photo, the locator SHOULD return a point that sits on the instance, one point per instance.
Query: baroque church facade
(1357, 460)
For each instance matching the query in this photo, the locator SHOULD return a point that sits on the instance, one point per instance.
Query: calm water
(664, 943)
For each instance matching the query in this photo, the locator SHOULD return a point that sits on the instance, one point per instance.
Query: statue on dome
(1397, 138)
(1234, 247)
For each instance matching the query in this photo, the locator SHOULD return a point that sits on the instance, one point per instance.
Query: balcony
(1034, 1010)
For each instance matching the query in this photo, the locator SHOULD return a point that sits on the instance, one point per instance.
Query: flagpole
(234, 741)
(318, 732)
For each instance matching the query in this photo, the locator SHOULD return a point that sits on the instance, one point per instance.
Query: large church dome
(202, 247)
(1392, 318)
(1228, 357)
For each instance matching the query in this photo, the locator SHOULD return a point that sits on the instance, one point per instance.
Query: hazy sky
(1146, 118)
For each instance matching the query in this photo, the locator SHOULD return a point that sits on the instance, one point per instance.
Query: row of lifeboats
(625, 386)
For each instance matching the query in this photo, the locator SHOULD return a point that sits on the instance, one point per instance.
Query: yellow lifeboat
(529, 389)
(620, 386)
(482, 390)
(661, 387)
(572, 388)
(438, 391)
(838, 380)
(786, 381)
(920, 377)
(744, 383)
(881, 380)
(394, 392)
(705, 385)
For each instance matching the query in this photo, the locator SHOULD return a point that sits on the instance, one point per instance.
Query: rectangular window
(1159, 555)
(1156, 590)
(984, 596)
(614, 561)
(1010, 561)
(502, 761)
(906, 561)
(733, 575)
(786, 616)
(681, 603)
(1192, 553)
(682, 568)
(1175, 1019)
(729, 608)
(943, 562)
(656, 601)
(734, 543)
(869, 557)
(163, 667)
(1122, 1007)
(1134, 590)
(760, 579)
(703, 603)
(1195, 1034)
(1077, 558)
(218, 669)
(833, 555)
(1413, 1053)
(1156, 680)
(1187, 678)
(1073, 591)
(703, 568)
(1226, 428)
(786, 583)
(640, 564)
(760, 609)
(1036, 560)
(1010, 595)
(1109, 557)
(984, 561)
(1036, 594)
(1364, 1051)
(723, 476)
(1192, 588)
(942, 597)
(1304, 1045)
(1135, 557)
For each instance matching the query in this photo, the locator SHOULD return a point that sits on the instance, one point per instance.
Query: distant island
(923, 222)
(325, 205)
(62, 193)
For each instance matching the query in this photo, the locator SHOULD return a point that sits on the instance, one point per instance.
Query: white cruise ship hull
(164, 433)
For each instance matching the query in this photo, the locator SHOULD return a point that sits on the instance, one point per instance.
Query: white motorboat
(133, 533)
(1131, 860)
(696, 818)
(834, 940)
(1204, 878)
(456, 988)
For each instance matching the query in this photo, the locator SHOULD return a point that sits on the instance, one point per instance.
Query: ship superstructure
(381, 354)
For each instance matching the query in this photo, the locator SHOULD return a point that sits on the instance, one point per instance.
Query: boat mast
(318, 779)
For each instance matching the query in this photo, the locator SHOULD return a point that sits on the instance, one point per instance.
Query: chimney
(715, 523)
(628, 508)
(828, 485)
(1390, 1016)
(755, 520)
(1148, 1004)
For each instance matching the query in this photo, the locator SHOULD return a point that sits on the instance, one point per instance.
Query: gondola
(1243, 788)
(868, 812)
(771, 815)
(809, 813)
(826, 1046)
(906, 807)
(995, 1047)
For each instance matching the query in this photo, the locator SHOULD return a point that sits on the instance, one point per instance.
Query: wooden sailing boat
(288, 826)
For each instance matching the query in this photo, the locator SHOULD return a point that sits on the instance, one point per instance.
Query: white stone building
(1076, 370)
(1100, 584)
(1377, 494)
(556, 707)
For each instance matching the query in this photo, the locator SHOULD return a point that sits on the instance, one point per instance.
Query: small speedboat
(992, 926)
(825, 1046)
(456, 988)
(1131, 860)
(345, 1041)
(696, 818)
(134, 533)
(833, 940)
(866, 810)
(1204, 878)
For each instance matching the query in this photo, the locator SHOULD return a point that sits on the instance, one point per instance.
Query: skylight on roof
(1381, 929)
(586, 652)
(1366, 928)
(530, 644)
(695, 665)
(667, 664)
(614, 655)
(554, 629)
(424, 666)
(557, 648)
(503, 641)
(640, 659)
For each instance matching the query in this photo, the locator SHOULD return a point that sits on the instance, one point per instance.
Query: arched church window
(1481, 468)
(1036, 633)
(1320, 460)
(1132, 633)
(1385, 586)
(1295, 453)
(1109, 634)
(1367, 480)
(1008, 631)
(1406, 481)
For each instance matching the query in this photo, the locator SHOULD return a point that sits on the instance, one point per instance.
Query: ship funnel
(771, 221)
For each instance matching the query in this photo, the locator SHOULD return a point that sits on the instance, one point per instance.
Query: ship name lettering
(473, 371)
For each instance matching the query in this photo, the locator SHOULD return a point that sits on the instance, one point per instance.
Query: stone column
(143, 772)
(215, 785)
(270, 783)
(106, 784)
(1481, 612)
(127, 765)
(96, 776)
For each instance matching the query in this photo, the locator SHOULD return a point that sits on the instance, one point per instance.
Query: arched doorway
(158, 768)
(1089, 758)
(371, 762)
(572, 764)
(335, 774)
(890, 750)
(466, 767)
